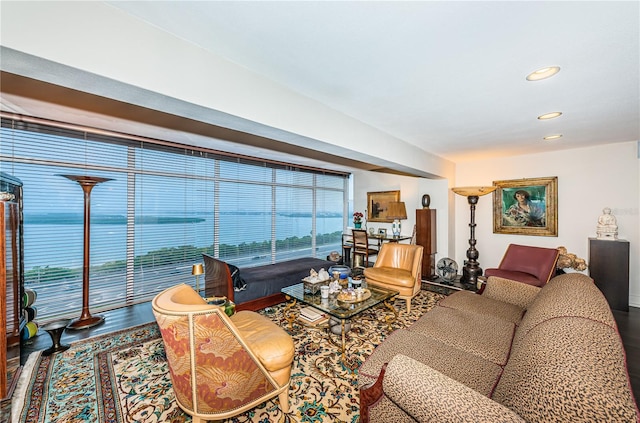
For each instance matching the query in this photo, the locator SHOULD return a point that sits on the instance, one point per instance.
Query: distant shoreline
(118, 219)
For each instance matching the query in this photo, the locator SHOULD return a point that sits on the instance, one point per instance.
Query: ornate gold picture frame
(526, 207)
(378, 205)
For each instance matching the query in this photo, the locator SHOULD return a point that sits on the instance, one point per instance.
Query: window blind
(163, 207)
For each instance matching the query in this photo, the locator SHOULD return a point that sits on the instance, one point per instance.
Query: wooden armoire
(426, 236)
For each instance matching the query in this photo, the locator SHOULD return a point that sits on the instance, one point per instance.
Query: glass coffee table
(337, 309)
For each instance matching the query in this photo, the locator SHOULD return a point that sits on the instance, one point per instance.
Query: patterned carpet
(123, 377)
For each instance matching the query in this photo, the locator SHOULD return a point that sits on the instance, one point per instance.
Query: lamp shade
(197, 269)
(397, 210)
(473, 191)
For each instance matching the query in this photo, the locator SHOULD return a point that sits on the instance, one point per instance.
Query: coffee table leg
(290, 315)
(344, 356)
(343, 336)
(390, 319)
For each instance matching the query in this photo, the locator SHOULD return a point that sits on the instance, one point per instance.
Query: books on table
(312, 316)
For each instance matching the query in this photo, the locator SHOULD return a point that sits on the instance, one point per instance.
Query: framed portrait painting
(378, 205)
(526, 207)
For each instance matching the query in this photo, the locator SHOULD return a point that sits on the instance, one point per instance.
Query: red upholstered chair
(530, 265)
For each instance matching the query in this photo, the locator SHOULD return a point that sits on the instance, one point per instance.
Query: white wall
(589, 179)
(411, 192)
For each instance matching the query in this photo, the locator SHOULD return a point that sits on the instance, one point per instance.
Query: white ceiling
(446, 76)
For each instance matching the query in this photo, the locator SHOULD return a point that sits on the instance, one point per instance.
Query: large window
(163, 206)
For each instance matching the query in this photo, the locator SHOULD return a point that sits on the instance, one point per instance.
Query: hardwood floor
(628, 325)
(115, 320)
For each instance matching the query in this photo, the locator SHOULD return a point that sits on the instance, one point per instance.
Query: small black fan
(447, 269)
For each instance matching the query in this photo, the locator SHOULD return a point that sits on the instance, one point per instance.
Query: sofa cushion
(273, 346)
(510, 291)
(565, 296)
(390, 276)
(568, 369)
(385, 410)
(427, 395)
(482, 304)
(478, 334)
(514, 275)
(473, 371)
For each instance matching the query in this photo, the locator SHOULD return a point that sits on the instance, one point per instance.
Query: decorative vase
(358, 225)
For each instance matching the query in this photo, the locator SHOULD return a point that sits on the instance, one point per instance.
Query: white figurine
(607, 227)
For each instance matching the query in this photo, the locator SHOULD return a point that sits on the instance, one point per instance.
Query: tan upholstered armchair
(398, 267)
(221, 366)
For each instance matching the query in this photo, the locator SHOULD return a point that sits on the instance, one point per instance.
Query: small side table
(55, 330)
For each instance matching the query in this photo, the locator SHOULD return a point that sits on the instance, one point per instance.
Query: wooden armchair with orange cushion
(221, 366)
(398, 267)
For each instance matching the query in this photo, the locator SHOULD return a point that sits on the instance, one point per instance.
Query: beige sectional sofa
(514, 353)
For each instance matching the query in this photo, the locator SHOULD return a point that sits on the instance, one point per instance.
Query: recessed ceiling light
(543, 73)
(551, 115)
(552, 137)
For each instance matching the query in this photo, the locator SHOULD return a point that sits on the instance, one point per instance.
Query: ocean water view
(64, 241)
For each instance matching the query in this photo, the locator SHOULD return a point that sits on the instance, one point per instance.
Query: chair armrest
(370, 395)
(510, 291)
(428, 395)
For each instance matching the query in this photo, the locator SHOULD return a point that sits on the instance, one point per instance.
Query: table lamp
(472, 269)
(396, 211)
(197, 270)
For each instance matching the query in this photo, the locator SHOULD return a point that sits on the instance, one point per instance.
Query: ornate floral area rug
(123, 376)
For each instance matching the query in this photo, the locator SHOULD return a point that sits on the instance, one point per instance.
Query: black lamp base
(470, 274)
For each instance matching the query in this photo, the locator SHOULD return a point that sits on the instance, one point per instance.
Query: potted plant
(357, 219)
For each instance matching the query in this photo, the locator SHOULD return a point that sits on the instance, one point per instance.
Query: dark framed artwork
(526, 206)
(378, 205)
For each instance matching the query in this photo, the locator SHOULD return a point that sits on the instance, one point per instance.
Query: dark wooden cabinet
(426, 236)
(11, 287)
(609, 268)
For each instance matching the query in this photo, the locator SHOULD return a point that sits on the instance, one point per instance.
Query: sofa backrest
(401, 256)
(568, 295)
(567, 361)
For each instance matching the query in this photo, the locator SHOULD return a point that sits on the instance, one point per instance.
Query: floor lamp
(472, 269)
(86, 320)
